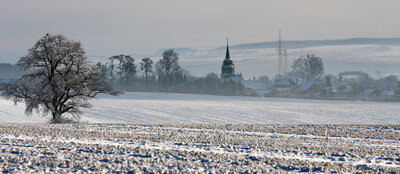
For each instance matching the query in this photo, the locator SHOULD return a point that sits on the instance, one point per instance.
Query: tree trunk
(56, 118)
(147, 85)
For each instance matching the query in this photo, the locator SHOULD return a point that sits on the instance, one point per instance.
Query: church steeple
(227, 61)
(228, 68)
(227, 56)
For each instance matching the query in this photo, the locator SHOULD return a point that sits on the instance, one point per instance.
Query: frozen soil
(191, 148)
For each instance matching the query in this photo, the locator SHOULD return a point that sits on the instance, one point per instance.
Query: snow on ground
(10, 113)
(252, 135)
(193, 148)
(138, 107)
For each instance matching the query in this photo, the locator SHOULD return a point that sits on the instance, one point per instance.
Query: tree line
(310, 68)
(58, 79)
(164, 76)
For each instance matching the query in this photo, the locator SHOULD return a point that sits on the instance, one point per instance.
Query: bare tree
(111, 68)
(147, 67)
(60, 80)
(397, 93)
(168, 64)
(309, 68)
(127, 68)
(264, 78)
(387, 83)
(104, 71)
(124, 67)
(168, 69)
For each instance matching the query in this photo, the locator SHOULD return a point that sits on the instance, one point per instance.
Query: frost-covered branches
(126, 68)
(168, 66)
(59, 81)
(308, 68)
(147, 67)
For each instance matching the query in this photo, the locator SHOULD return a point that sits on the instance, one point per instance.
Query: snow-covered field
(190, 108)
(193, 148)
(239, 135)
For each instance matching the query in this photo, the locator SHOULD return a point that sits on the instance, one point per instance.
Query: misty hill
(9, 71)
(295, 44)
(316, 43)
(178, 50)
(358, 54)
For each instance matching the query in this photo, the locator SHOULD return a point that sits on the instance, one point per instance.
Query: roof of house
(236, 79)
(282, 83)
(389, 92)
(306, 86)
(257, 84)
(262, 91)
(370, 91)
(347, 87)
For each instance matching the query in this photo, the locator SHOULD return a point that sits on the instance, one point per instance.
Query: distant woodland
(9, 71)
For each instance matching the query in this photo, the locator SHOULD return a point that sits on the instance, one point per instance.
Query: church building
(228, 68)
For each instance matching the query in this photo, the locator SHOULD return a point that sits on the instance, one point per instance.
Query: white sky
(143, 26)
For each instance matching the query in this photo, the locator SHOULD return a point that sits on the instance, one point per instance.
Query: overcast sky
(131, 26)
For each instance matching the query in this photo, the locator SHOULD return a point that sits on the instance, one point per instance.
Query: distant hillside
(9, 71)
(178, 50)
(315, 43)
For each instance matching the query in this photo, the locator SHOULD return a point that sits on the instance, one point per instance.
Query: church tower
(228, 68)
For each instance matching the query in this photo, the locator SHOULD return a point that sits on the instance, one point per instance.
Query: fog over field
(257, 62)
(338, 58)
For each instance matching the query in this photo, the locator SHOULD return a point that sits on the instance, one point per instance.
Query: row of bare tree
(59, 80)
